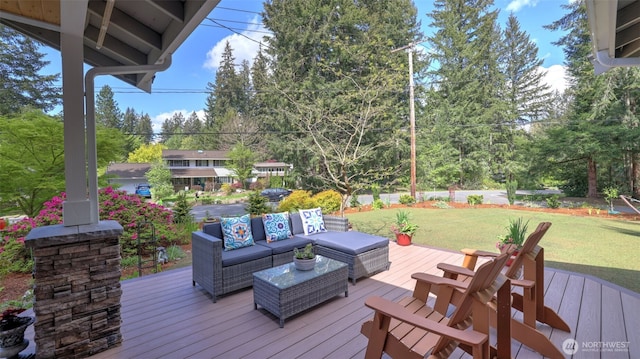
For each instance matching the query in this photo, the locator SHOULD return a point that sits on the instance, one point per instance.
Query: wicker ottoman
(365, 253)
(285, 291)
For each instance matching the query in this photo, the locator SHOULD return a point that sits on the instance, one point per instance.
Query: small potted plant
(304, 259)
(403, 228)
(12, 329)
(516, 234)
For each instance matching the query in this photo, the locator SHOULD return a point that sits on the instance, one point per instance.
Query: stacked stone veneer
(77, 289)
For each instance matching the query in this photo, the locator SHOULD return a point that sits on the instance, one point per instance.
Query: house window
(202, 163)
(218, 163)
(178, 163)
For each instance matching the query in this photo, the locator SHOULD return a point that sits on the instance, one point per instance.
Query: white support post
(77, 209)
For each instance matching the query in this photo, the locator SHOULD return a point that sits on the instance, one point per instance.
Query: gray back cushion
(257, 229)
(296, 223)
(213, 229)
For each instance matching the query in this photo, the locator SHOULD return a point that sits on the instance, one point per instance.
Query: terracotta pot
(512, 258)
(403, 239)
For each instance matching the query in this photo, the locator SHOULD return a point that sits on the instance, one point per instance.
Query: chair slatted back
(528, 248)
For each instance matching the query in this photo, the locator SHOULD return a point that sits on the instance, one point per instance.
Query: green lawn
(605, 248)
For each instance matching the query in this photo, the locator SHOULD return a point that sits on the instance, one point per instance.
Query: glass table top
(287, 275)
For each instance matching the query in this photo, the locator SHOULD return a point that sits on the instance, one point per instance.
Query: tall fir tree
(172, 128)
(129, 121)
(575, 147)
(466, 101)
(527, 97)
(21, 83)
(224, 96)
(144, 128)
(107, 112)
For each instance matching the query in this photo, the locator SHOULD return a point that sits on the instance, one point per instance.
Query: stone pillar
(77, 289)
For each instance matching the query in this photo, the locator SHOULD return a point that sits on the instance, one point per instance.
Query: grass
(604, 248)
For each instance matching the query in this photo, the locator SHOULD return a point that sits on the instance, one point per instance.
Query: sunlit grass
(605, 248)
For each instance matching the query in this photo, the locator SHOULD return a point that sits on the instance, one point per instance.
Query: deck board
(164, 316)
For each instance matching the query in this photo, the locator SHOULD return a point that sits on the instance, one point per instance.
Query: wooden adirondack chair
(412, 329)
(527, 272)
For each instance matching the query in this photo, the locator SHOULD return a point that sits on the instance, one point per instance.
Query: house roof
(271, 164)
(116, 32)
(194, 155)
(195, 172)
(128, 170)
(615, 33)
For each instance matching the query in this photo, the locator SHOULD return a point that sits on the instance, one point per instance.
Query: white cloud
(516, 5)
(156, 121)
(555, 77)
(245, 45)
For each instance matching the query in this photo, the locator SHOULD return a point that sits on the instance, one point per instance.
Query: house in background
(126, 176)
(205, 169)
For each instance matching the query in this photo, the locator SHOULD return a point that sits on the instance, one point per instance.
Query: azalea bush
(131, 211)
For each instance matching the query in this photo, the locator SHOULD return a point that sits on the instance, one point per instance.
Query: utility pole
(412, 117)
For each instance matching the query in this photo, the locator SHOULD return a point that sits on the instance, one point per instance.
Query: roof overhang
(615, 33)
(116, 32)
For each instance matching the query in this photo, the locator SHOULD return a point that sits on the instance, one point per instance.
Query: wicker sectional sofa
(220, 272)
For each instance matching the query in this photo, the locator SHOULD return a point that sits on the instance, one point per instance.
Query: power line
(235, 21)
(238, 10)
(236, 32)
(238, 29)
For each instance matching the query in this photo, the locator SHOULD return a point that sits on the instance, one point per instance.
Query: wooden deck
(164, 316)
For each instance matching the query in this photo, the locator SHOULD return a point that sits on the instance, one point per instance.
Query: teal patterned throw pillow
(236, 232)
(276, 226)
(312, 221)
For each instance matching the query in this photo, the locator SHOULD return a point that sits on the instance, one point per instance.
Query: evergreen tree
(107, 112)
(526, 94)
(144, 128)
(260, 80)
(192, 125)
(576, 146)
(224, 96)
(21, 83)
(172, 127)
(129, 121)
(466, 101)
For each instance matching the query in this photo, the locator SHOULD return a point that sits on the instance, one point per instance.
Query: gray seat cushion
(286, 245)
(350, 242)
(244, 254)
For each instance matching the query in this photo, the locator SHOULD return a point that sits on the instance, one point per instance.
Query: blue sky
(181, 88)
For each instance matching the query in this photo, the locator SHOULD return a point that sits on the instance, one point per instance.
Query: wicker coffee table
(285, 291)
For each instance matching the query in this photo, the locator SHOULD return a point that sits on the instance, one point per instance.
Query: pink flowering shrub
(131, 211)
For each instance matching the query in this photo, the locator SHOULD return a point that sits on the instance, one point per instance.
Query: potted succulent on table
(12, 329)
(403, 228)
(304, 259)
(516, 234)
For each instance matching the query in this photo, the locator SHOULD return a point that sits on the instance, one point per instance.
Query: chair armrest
(435, 280)
(524, 283)
(454, 269)
(335, 223)
(478, 253)
(399, 312)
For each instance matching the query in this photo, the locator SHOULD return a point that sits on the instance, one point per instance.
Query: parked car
(143, 190)
(275, 194)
